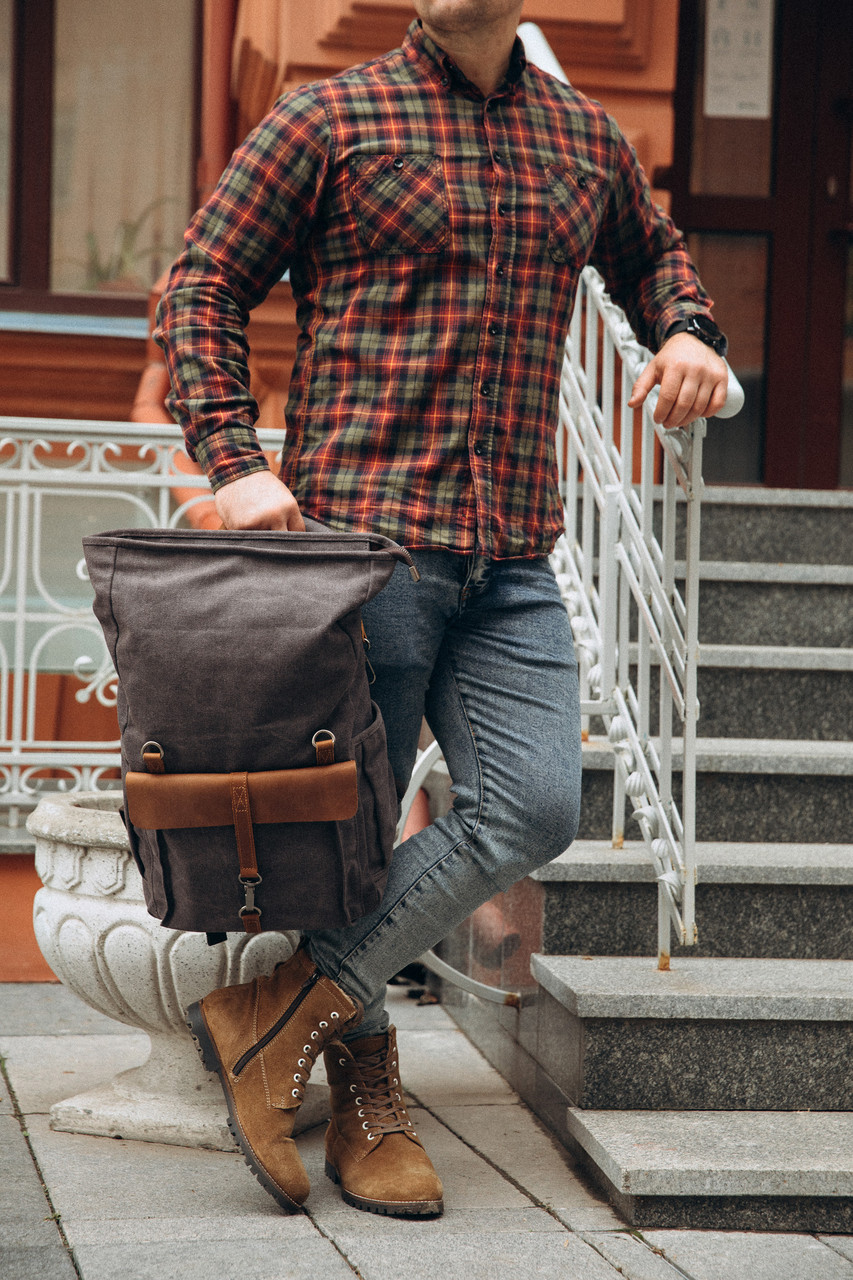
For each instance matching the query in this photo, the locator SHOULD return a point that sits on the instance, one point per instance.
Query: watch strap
(703, 328)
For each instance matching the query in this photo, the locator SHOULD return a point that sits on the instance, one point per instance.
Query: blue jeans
(484, 650)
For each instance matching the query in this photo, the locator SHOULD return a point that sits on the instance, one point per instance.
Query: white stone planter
(96, 934)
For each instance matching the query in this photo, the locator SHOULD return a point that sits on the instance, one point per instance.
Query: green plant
(122, 261)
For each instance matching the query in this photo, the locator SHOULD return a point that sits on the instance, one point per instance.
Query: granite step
(708, 1035)
(782, 901)
(770, 691)
(775, 605)
(774, 525)
(747, 789)
(726, 1171)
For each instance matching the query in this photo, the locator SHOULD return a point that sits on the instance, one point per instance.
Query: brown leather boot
(262, 1038)
(371, 1148)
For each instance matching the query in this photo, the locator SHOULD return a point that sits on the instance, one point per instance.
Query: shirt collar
(419, 47)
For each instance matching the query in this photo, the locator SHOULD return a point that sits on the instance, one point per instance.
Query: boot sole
(211, 1061)
(390, 1208)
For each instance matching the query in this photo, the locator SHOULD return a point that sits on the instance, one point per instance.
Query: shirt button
(398, 162)
(494, 328)
(445, 80)
(478, 449)
(498, 158)
(485, 388)
(582, 181)
(499, 271)
(502, 210)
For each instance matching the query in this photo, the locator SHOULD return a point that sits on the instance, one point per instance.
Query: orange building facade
(764, 192)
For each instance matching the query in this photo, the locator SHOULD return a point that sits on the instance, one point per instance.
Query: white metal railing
(616, 565)
(60, 480)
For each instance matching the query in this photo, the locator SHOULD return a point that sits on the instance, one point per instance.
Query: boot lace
(326, 1028)
(378, 1097)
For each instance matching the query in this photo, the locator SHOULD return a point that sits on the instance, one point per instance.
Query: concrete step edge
(777, 572)
(745, 755)
(699, 988)
(719, 1153)
(767, 657)
(763, 498)
(718, 862)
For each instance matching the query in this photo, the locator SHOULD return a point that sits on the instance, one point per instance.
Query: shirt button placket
(497, 288)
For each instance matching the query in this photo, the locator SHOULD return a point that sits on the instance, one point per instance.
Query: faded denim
(484, 650)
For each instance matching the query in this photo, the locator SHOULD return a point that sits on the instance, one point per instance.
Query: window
(6, 17)
(102, 103)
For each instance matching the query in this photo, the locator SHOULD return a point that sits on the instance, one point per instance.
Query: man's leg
(497, 678)
(501, 696)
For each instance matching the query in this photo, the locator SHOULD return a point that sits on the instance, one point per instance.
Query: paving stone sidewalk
(75, 1207)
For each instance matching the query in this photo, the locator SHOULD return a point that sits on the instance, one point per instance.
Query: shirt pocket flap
(400, 202)
(577, 196)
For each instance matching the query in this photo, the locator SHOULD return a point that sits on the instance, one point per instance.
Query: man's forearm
(236, 248)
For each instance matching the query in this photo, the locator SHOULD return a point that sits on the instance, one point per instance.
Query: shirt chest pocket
(400, 202)
(577, 198)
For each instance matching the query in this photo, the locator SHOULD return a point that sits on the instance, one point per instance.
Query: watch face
(707, 332)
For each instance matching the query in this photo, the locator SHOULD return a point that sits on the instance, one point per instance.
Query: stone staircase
(720, 1093)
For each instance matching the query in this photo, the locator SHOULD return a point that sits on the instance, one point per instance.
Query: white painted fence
(60, 480)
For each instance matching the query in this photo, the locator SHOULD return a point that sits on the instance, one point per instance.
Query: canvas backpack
(257, 788)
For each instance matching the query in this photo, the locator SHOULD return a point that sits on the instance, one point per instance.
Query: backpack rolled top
(257, 788)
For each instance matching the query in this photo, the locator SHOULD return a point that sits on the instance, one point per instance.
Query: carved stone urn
(97, 936)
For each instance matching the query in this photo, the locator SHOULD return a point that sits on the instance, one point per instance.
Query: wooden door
(761, 183)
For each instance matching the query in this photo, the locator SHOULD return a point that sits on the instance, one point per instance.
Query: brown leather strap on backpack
(249, 878)
(163, 801)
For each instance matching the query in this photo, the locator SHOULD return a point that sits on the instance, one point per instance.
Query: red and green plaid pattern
(434, 241)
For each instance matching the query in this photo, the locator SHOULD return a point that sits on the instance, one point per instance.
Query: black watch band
(704, 329)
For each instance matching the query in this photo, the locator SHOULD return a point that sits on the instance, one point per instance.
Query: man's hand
(693, 382)
(258, 501)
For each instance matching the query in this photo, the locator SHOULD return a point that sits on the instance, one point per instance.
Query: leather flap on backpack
(326, 793)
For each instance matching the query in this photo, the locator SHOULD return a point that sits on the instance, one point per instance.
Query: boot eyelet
(361, 1111)
(295, 1093)
(395, 1081)
(298, 1078)
(315, 1035)
(399, 1099)
(358, 1101)
(366, 1124)
(334, 1014)
(353, 1088)
(301, 1062)
(370, 1137)
(306, 1048)
(342, 1062)
(324, 1024)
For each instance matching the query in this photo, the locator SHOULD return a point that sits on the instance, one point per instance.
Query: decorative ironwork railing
(60, 480)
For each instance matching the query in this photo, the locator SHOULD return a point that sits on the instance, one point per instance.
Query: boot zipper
(247, 1057)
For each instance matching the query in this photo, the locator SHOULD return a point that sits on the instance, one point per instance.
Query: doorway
(762, 184)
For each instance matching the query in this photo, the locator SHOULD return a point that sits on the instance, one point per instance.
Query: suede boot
(262, 1038)
(371, 1148)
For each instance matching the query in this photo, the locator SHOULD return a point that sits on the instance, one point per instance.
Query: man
(435, 208)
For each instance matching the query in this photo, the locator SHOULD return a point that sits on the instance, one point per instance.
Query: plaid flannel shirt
(434, 239)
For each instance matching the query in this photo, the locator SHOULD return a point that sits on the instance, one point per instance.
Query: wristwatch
(703, 328)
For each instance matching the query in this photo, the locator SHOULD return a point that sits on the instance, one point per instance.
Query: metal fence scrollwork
(60, 480)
